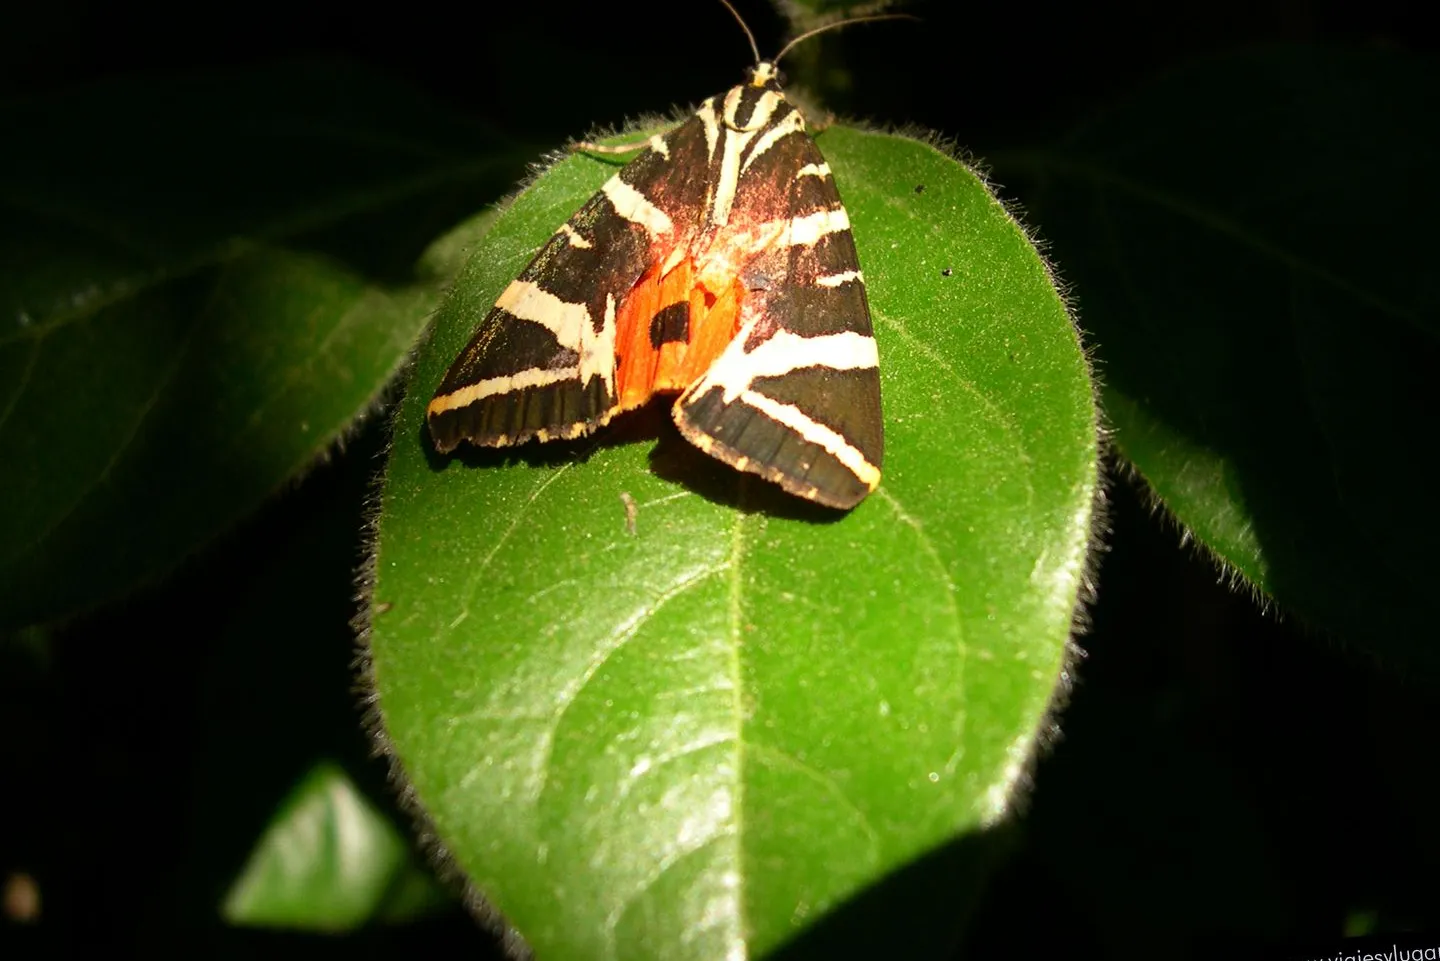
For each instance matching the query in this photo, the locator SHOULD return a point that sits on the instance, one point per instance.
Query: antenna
(748, 35)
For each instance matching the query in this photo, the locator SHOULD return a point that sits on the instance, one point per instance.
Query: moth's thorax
(752, 105)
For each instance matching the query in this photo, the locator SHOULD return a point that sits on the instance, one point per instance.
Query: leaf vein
(665, 865)
(782, 758)
(122, 447)
(962, 648)
(295, 374)
(480, 569)
(618, 638)
(696, 746)
(22, 383)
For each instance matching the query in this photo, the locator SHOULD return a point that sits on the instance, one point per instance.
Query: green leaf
(330, 862)
(1250, 244)
(205, 281)
(706, 735)
(288, 822)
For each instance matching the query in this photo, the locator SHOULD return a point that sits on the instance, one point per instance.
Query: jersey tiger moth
(718, 264)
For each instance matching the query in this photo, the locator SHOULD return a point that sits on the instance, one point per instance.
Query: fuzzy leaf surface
(699, 739)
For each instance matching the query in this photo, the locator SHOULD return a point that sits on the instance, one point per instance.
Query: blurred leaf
(131, 183)
(330, 862)
(700, 739)
(819, 67)
(1249, 241)
(1359, 924)
(807, 14)
(273, 704)
(205, 282)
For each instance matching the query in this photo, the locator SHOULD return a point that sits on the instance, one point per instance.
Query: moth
(717, 264)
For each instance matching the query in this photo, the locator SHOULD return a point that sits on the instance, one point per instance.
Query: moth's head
(765, 75)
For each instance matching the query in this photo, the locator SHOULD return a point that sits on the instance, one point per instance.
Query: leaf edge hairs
(718, 263)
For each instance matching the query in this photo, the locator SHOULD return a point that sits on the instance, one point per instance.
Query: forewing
(542, 362)
(796, 396)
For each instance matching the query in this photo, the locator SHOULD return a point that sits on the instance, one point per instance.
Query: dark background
(987, 74)
(1227, 779)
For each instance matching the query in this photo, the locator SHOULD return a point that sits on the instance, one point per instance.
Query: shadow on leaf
(672, 459)
(919, 911)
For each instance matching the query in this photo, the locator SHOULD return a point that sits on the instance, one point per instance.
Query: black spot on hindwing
(671, 325)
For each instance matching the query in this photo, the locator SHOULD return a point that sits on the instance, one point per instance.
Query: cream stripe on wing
(840, 279)
(737, 138)
(783, 352)
(814, 170)
(793, 123)
(816, 433)
(597, 351)
(636, 207)
(807, 230)
(574, 237)
(711, 123)
(571, 325)
(529, 301)
(729, 177)
(520, 380)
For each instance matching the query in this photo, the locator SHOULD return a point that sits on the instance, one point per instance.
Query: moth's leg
(586, 146)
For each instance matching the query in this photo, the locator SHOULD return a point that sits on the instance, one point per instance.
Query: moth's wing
(795, 397)
(542, 362)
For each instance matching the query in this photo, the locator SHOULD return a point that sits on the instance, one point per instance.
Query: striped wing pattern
(739, 191)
